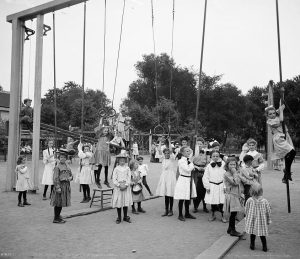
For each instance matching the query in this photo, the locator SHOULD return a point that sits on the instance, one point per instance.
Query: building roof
(4, 99)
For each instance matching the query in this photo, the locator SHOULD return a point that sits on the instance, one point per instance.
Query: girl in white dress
(49, 162)
(135, 150)
(213, 183)
(167, 181)
(23, 180)
(122, 197)
(85, 175)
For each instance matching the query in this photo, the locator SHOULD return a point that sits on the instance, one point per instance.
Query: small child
(213, 183)
(49, 161)
(143, 168)
(85, 175)
(258, 216)
(167, 181)
(61, 195)
(248, 175)
(135, 150)
(122, 197)
(23, 180)
(136, 187)
(233, 194)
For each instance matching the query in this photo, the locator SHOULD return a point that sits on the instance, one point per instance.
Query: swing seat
(104, 196)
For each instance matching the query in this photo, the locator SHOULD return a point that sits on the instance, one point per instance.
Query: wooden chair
(104, 197)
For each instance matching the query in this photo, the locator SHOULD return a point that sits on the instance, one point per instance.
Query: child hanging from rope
(49, 161)
(85, 177)
(143, 168)
(283, 145)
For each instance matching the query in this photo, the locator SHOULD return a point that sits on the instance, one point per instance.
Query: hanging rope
(171, 68)
(117, 66)
(83, 67)
(29, 66)
(54, 83)
(104, 48)
(155, 61)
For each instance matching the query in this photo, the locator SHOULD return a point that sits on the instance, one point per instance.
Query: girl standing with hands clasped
(167, 181)
(233, 194)
(61, 195)
(258, 216)
(85, 175)
(23, 178)
(213, 183)
(49, 162)
(122, 197)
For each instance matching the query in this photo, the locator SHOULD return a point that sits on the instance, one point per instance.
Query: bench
(104, 197)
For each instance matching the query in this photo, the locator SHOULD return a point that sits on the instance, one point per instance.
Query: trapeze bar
(49, 7)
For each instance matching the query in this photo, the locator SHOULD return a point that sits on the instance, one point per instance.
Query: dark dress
(61, 179)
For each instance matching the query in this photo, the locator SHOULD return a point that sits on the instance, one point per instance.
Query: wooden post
(37, 101)
(269, 133)
(15, 97)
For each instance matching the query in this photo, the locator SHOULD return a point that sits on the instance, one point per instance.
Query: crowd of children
(228, 185)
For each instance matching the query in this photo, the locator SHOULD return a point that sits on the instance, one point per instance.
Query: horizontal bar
(49, 7)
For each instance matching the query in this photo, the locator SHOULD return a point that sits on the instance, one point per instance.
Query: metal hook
(46, 29)
(29, 32)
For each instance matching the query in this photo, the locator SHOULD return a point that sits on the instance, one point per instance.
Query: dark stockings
(169, 203)
(263, 241)
(217, 207)
(57, 211)
(289, 158)
(186, 206)
(232, 221)
(125, 210)
(98, 171)
(146, 185)
(46, 188)
(20, 196)
(86, 191)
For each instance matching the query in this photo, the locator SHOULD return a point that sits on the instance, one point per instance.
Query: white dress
(49, 161)
(143, 169)
(213, 181)
(184, 185)
(135, 149)
(23, 179)
(121, 198)
(167, 180)
(85, 174)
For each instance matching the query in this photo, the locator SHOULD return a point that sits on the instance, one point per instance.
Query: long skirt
(121, 198)
(166, 184)
(182, 189)
(281, 146)
(85, 176)
(48, 174)
(102, 157)
(62, 199)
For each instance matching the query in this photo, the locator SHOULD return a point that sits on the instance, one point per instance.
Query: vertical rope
(83, 67)
(104, 48)
(54, 83)
(29, 65)
(117, 66)
(155, 60)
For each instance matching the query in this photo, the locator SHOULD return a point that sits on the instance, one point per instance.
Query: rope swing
(83, 66)
(104, 48)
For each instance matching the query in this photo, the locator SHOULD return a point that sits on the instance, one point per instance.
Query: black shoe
(127, 219)
(59, 221)
(26, 203)
(170, 213)
(83, 200)
(88, 199)
(265, 249)
(134, 212)
(181, 218)
(165, 214)
(141, 210)
(205, 210)
(107, 184)
(20, 204)
(252, 246)
(234, 233)
(189, 216)
(44, 197)
(99, 185)
(118, 221)
(228, 230)
(195, 210)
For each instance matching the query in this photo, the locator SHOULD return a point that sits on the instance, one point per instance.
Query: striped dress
(258, 216)
(61, 178)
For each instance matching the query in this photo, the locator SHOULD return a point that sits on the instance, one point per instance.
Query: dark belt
(185, 176)
(216, 183)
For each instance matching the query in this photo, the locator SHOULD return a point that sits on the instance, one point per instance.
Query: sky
(240, 41)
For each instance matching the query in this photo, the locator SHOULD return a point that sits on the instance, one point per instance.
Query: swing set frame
(18, 32)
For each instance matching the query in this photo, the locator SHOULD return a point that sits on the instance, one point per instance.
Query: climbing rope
(104, 48)
(83, 66)
(54, 82)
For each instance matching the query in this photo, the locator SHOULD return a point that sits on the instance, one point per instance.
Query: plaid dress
(258, 216)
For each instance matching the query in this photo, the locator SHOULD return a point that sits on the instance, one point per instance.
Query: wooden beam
(49, 7)
(15, 97)
(37, 101)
